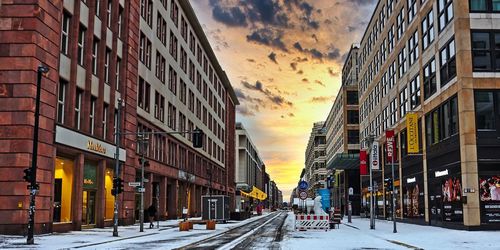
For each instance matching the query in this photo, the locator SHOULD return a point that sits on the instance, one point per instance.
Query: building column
(100, 195)
(163, 198)
(77, 200)
(425, 171)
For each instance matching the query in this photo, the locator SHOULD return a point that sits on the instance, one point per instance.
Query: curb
(404, 244)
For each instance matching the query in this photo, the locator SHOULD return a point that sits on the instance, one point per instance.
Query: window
(402, 62)
(184, 29)
(143, 94)
(427, 30)
(447, 62)
(95, 51)
(145, 50)
(394, 111)
(81, 45)
(106, 66)
(172, 80)
(485, 51)
(485, 112)
(401, 23)
(108, 12)
(147, 11)
(159, 108)
(390, 7)
(192, 42)
(174, 12)
(92, 115)
(117, 74)
(115, 122)
(445, 12)
(352, 117)
(353, 136)
(160, 67)
(484, 5)
(65, 25)
(105, 121)
(412, 10)
(182, 92)
(390, 39)
(173, 45)
(403, 102)
(413, 48)
(183, 62)
(430, 85)
(415, 92)
(352, 98)
(120, 21)
(78, 108)
(97, 8)
(161, 28)
(172, 111)
(61, 100)
(442, 122)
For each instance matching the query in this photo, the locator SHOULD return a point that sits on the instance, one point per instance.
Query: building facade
(315, 159)
(342, 138)
(100, 52)
(434, 59)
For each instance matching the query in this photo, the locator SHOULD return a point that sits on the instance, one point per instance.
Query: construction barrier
(313, 222)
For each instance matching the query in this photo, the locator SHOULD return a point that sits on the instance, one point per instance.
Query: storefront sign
(441, 173)
(82, 142)
(374, 156)
(412, 136)
(489, 191)
(411, 180)
(362, 162)
(89, 176)
(390, 145)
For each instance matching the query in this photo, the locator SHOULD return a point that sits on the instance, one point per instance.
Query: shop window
(447, 62)
(63, 189)
(484, 6)
(109, 202)
(485, 114)
(442, 122)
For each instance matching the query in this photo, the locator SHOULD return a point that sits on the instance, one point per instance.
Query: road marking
(404, 244)
(238, 240)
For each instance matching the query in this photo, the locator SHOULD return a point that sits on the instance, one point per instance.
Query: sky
(284, 60)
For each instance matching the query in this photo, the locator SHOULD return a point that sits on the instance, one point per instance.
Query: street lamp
(369, 139)
(31, 172)
(142, 140)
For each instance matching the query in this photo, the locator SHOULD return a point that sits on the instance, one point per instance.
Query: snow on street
(409, 236)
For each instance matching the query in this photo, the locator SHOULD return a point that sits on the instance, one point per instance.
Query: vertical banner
(362, 162)
(390, 145)
(412, 130)
(374, 156)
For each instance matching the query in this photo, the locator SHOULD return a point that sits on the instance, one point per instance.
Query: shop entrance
(88, 208)
(436, 206)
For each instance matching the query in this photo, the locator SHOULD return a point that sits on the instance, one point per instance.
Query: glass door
(88, 207)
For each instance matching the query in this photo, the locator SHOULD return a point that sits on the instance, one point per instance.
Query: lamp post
(370, 140)
(33, 187)
(142, 140)
(117, 166)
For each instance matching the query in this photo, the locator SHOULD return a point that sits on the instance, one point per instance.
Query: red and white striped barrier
(313, 222)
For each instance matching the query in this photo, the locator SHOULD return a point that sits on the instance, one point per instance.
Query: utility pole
(142, 140)
(370, 139)
(393, 197)
(31, 172)
(117, 166)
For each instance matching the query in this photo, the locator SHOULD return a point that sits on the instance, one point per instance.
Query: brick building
(99, 52)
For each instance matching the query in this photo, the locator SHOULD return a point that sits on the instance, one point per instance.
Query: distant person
(151, 213)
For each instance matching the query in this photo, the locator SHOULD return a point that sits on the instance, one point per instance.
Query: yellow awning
(255, 193)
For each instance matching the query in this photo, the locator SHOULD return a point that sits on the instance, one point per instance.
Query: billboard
(412, 128)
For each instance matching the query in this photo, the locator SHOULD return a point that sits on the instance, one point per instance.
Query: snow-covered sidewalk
(167, 236)
(357, 235)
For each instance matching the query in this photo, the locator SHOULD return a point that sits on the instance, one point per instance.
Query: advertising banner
(452, 199)
(412, 129)
(489, 191)
(390, 145)
(362, 162)
(325, 198)
(375, 164)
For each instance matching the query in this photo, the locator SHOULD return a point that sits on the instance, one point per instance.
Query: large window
(172, 49)
(107, 59)
(81, 45)
(401, 23)
(415, 92)
(147, 11)
(427, 30)
(486, 50)
(353, 136)
(412, 10)
(442, 122)
(95, 51)
(63, 189)
(390, 39)
(92, 114)
(352, 117)
(109, 199)
(403, 102)
(402, 67)
(61, 100)
(485, 110)
(484, 5)
(172, 80)
(143, 94)
(78, 108)
(445, 12)
(352, 97)
(413, 48)
(447, 62)
(430, 84)
(65, 25)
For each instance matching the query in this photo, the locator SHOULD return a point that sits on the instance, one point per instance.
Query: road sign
(303, 185)
(303, 195)
(134, 184)
(351, 191)
(141, 190)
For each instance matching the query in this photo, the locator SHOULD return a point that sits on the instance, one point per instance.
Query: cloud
(244, 110)
(334, 54)
(233, 16)
(319, 82)
(251, 60)
(321, 99)
(291, 115)
(272, 57)
(253, 12)
(300, 72)
(218, 37)
(300, 59)
(268, 37)
(298, 46)
(293, 65)
(332, 73)
(274, 98)
(314, 37)
(363, 2)
(305, 80)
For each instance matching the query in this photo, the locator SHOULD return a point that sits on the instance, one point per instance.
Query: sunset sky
(284, 60)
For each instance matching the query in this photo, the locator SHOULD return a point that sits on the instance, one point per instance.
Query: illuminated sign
(411, 180)
(374, 156)
(441, 173)
(88, 181)
(412, 128)
(94, 146)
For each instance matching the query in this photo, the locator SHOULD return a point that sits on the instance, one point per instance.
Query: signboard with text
(362, 162)
(412, 128)
(374, 156)
(390, 145)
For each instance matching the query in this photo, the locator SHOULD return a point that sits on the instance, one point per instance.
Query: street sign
(303, 195)
(390, 145)
(141, 190)
(303, 185)
(134, 184)
(374, 156)
(351, 191)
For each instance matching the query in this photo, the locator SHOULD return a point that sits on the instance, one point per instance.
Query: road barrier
(313, 222)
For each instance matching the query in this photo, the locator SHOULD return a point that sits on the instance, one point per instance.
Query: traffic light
(146, 162)
(198, 138)
(28, 175)
(117, 186)
(388, 184)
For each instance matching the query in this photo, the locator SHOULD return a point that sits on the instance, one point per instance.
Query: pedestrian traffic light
(28, 175)
(388, 184)
(198, 138)
(117, 186)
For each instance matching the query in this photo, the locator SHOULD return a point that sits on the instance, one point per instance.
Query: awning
(255, 193)
(344, 161)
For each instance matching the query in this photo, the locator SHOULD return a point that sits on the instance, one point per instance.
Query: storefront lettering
(441, 173)
(88, 182)
(96, 147)
(411, 180)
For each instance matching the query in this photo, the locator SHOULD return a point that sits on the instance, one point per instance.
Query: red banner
(362, 163)
(390, 145)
